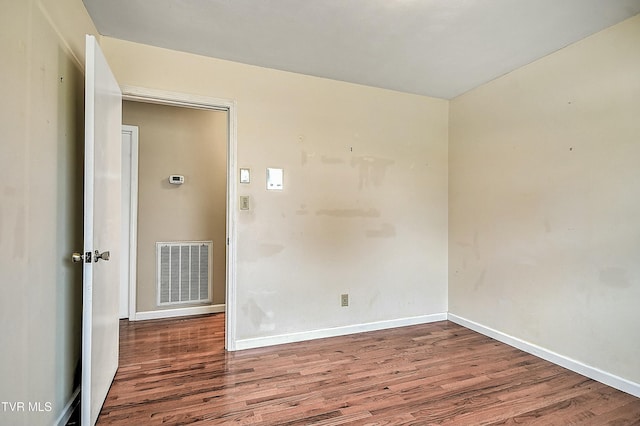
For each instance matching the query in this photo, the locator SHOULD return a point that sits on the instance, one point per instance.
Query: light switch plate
(244, 202)
(245, 175)
(275, 178)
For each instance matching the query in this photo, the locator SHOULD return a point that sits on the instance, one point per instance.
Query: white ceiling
(439, 48)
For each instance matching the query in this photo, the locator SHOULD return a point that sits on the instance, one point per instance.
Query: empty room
(431, 212)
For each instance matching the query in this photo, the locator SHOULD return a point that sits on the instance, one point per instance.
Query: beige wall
(41, 117)
(543, 198)
(364, 209)
(189, 142)
(544, 202)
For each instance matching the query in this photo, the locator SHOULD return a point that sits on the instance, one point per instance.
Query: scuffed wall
(544, 197)
(364, 205)
(42, 115)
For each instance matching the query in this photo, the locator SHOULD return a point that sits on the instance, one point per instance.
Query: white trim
(140, 94)
(179, 312)
(232, 238)
(69, 408)
(280, 339)
(132, 207)
(133, 223)
(163, 97)
(556, 358)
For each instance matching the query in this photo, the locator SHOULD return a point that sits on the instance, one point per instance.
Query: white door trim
(132, 206)
(133, 93)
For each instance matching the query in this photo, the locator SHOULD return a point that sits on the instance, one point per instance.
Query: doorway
(194, 209)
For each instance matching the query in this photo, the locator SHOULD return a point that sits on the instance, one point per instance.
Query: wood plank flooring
(176, 372)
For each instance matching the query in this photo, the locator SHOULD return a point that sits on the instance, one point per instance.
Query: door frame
(132, 213)
(141, 94)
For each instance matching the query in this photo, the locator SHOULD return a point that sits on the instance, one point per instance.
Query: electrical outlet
(344, 300)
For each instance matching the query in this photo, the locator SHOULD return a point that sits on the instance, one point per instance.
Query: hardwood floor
(177, 372)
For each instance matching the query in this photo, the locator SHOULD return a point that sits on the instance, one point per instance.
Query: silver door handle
(104, 255)
(79, 257)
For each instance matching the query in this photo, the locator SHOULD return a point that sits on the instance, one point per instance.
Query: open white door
(101, 272)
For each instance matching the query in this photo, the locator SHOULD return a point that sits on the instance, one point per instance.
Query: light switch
(275, 178)
(244, 202)
(245, 175)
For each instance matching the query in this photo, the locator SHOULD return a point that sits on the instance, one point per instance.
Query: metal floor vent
(184, 272)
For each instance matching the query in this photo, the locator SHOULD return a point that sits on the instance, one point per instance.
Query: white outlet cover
(275, 179)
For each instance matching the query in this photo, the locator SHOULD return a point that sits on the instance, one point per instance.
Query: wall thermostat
(176, 179)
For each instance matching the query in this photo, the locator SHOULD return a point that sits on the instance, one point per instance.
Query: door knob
(79, 257)
(104, 255)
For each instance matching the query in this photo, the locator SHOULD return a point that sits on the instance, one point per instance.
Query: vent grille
(184, 272)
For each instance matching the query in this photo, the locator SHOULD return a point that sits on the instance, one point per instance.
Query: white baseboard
(561, 360)
(280, 339)
(258, 342)
(178, 312)
(69, 407)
